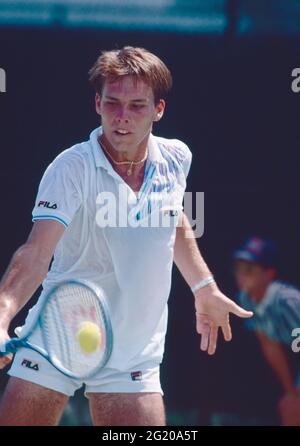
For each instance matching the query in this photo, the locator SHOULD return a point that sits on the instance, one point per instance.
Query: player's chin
(126, 147)
(122, 142)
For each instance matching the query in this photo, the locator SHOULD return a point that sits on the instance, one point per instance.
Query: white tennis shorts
(31, 366)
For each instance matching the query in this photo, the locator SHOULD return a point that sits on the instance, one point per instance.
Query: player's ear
(159, 110)
(98, 103)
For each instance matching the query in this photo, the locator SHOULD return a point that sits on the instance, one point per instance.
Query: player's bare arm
(212, 306)
(25, 273)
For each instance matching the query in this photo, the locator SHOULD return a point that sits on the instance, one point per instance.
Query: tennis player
(276, 308)
(78, 219)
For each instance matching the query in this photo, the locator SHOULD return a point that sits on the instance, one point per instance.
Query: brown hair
(132, 61)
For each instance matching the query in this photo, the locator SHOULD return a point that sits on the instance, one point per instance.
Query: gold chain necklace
(120, 163)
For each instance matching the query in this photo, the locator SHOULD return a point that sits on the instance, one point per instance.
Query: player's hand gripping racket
(76, 330)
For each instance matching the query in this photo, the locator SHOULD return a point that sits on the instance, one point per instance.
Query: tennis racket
(63, 310)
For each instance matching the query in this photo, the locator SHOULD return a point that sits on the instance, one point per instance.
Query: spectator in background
(276, 308)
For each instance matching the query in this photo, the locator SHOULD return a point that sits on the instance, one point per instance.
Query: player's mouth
(121, 132)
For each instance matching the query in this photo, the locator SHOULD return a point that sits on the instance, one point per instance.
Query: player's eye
(138, 106)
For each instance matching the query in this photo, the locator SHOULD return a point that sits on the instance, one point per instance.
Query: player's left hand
(212, 312)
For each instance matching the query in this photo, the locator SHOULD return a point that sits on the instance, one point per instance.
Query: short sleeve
(186, 165)
(60, 191)
(183, 155)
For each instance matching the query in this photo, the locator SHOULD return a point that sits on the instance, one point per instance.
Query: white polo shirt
(132, 263)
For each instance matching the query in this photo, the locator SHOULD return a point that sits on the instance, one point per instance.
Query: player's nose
(122, 115)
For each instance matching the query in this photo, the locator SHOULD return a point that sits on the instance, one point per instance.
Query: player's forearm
(24, 274)
(187, 256)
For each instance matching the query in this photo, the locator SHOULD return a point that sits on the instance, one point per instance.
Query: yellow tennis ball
(89, 337)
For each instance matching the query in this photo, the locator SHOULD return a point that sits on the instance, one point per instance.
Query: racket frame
(15, 343)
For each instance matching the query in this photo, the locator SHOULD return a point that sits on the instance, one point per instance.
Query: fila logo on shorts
(136, 376)
(30, 365)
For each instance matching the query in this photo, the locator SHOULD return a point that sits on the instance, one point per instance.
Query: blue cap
(258, 250)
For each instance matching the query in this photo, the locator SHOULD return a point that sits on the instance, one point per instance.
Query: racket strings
(67, 308)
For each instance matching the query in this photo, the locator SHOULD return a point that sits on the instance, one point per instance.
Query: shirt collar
(154, 153)
(99, 156)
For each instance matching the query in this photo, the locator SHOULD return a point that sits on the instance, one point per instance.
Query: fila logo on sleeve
(47, 204)
(30, 365)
